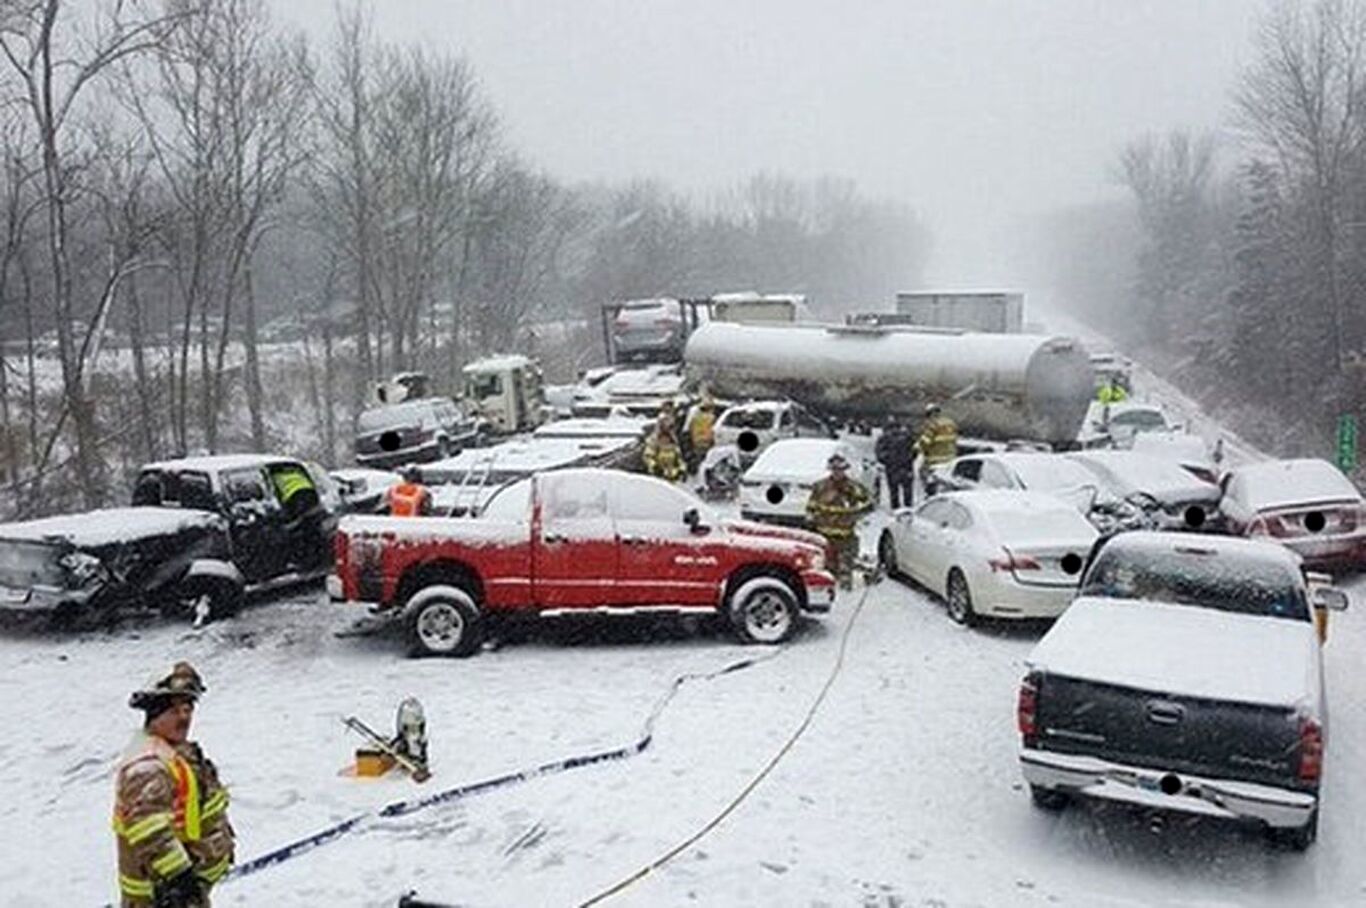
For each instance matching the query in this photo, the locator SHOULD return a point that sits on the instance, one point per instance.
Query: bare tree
(55, 70)
(1301, 104)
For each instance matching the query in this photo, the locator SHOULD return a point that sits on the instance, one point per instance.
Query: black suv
(281, 513)
(80, 569)
(414, 431)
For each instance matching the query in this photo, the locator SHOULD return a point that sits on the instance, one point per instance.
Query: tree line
(1239, 263)
(187, 184)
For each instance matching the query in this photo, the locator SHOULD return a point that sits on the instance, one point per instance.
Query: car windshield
(1192, 575)
(25, 564)
(749, 419)
(1139, 420)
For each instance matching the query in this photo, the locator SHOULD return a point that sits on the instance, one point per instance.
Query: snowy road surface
(903, 791)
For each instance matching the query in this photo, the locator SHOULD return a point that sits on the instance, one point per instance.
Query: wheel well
(452, 573)
(750, 571)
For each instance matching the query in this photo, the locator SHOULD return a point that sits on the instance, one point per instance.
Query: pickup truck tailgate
(1216, 738)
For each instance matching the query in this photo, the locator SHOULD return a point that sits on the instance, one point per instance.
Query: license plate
(8, 594)
(1148, 784)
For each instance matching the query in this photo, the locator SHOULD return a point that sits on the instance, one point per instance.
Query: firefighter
(170, 809)
(663, 457)
(296, 490)
(702, 429)
(937, 443)
(1111, 392)
(410, 498)
(834, 508)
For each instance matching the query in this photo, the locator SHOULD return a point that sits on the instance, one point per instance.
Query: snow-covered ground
(904, 790)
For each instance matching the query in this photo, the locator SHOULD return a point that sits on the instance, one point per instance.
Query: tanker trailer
(1002, 386)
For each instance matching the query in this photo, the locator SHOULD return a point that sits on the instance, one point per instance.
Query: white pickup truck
(1187, 676)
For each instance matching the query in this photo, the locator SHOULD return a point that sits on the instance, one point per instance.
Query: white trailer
(994, 311)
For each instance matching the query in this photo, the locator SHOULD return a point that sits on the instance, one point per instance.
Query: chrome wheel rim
(767, 617)
(958, 600)
(440, 627)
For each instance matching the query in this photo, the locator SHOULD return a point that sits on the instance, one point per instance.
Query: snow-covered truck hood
(771, 531)
(93, 529)
(1185, 650)
(456, 529)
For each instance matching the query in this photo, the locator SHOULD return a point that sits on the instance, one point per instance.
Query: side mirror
(1330, 598)
(693, 519)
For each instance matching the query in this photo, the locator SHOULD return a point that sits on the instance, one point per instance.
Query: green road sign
(1347, 442)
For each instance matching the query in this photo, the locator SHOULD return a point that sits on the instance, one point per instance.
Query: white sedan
(776, 488)
(999, 554)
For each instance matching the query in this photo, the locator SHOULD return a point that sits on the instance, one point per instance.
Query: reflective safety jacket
(1111, 394)
(702, 430)
(289, 482)
(938, 441)
(836, 505)
(170, 815)
(662, 455)
(409, 499)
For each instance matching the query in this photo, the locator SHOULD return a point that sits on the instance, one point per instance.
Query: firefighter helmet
(837, 462)
(183, 681)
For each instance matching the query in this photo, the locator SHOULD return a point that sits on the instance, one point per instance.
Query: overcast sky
(976, 112)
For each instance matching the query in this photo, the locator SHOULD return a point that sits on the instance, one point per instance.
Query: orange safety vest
(409, 499)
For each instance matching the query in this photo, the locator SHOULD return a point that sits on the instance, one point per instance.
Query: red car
(572, 541)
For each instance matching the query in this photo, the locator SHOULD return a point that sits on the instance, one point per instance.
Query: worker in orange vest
(410, 498)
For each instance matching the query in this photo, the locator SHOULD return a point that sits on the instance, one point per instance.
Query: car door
(663, 559)
(574, 542)
(923, 549)
(955, 535)
(259, 545)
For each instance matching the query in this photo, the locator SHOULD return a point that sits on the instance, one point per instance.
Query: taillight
(1311, 750)
(1014, 563)
(1026, 707)
(340, 549)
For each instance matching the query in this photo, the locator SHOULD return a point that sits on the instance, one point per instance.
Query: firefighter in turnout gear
(410, 498)
(702, 429)
(170, 809)
(938, 441)
(662, 455)
(833, 510)
(1111, 392)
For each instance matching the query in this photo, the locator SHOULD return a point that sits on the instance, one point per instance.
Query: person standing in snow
(410, 498)
(701, 429)
(170, 809)
(834, 508)
(894, 452)
(662, 455)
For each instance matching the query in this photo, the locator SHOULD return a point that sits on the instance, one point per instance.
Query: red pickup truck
(576, 541)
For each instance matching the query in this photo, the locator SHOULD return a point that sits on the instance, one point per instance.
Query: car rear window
(1191, 575)
(749, 419)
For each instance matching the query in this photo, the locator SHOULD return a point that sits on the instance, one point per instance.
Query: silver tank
(1001, 386)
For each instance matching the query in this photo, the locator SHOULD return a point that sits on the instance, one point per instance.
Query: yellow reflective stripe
(215, 873)
(171, 863)
(188, 788)
(216, 804)
(145, 828)
(135, 887)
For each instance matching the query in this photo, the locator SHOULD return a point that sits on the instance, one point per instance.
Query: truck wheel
(959, 600)
(1297, 838)
(764, 610)
(1048, 798)
(886, 555)
(442, 621)
(219, 596)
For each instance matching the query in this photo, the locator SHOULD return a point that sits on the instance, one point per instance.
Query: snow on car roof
(210, 463)
(97, 528)
(528, 455)
(1142, 472)
(1214, 546)
(773, 406)
(497, 363)
(1284, 483)
(993, 501)
(799, 457)
(612, 426)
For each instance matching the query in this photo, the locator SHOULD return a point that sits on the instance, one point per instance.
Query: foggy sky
(976, 112)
